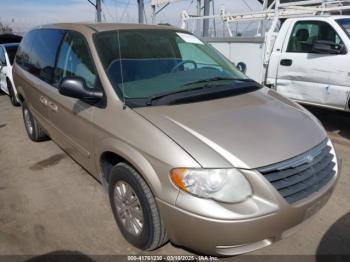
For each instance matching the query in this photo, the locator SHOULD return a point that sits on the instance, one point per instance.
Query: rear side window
(38, 52)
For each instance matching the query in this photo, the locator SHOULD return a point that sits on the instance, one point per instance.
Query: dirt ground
(50, 205)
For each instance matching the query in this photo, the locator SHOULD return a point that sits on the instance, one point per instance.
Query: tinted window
(44, 50)
(2, 56)
(38, 53)
(306, 33)
(11, 52)
(74, 60)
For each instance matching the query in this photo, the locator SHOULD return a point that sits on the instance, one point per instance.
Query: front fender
(130, 154)
(153, 170)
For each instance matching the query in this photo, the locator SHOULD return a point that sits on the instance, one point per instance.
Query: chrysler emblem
(309, 158)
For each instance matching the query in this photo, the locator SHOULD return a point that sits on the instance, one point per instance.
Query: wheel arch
(117, 152)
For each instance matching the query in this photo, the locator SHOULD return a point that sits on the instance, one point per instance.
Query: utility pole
(262, 25)
(154, 13)
(206, 21)
(99, 10)
(141, 4)
(98, 6)
(199, 10)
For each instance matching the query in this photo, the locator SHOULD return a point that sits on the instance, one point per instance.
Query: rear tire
(135, 209)
(34, 131)
(12, 95)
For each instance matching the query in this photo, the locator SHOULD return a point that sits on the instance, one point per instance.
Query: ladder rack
(275, 11)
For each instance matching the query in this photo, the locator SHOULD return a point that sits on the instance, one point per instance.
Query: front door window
(74, 61)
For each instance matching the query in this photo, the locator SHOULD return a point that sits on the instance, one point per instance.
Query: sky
(25, 14)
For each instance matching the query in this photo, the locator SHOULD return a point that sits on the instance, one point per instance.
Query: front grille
(299, 177)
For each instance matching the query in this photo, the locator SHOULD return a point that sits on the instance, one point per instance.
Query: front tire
(34, 131)
(135, 209)
(12, 95)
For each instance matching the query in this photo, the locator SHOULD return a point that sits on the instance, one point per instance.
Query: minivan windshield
(155, 66)
(345, 24)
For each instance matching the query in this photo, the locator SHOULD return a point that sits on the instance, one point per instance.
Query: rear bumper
(236, 236)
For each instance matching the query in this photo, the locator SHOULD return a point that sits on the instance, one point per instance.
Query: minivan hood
(245, 131)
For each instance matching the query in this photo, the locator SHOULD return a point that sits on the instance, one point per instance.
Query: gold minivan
(189, 149)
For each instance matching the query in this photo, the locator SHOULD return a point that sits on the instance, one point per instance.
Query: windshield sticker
(190, 38)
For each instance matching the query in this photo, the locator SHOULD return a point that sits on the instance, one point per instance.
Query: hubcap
(128, 208)
(28, 121)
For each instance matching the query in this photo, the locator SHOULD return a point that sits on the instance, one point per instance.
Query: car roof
(101, 27)
(341, 17)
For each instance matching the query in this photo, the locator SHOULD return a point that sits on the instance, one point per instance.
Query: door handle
(286, 62)
(43, 100)
(53, 107)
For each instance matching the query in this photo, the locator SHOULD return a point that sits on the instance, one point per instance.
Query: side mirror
(328, 47)
(76, 87)
(242, 67)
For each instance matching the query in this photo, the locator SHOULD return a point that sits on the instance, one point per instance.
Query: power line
(125, 10)
(92, 3)
(106, 8)
(116, 9)
(246, 4)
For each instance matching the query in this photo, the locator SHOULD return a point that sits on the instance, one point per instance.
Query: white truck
(305, 55)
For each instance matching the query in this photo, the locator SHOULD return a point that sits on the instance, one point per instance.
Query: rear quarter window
(38, 50)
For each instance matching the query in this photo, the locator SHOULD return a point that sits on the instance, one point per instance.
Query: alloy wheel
(128, 208)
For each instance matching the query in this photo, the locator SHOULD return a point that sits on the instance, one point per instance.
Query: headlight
(224, 185)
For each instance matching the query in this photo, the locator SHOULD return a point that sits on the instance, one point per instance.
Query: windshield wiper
(161, 95)
(218, 78)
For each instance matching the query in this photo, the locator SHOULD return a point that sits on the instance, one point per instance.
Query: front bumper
(256, 224)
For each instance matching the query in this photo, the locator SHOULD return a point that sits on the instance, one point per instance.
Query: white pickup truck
(307, 60)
